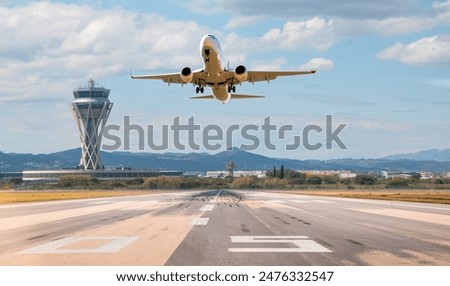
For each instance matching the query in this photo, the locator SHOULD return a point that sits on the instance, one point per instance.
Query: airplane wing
(203, 97)
(254, 76)
(198, 77)
(233, 96)
(241, 96)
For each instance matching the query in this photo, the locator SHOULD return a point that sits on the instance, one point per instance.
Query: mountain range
(431, 160)
(427, 155)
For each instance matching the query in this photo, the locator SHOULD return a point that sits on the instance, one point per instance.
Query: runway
(221, 227)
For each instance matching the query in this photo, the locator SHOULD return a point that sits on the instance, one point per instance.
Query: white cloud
(52, 45)
(320, 24)
(322, 34)
(441, 5)
(319, 64)
(428, 50)
(315, 33)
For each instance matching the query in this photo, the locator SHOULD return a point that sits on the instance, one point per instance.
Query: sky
(383, 70)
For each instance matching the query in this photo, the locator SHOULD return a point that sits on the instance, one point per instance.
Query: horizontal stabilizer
(203, 97)
(240, 96)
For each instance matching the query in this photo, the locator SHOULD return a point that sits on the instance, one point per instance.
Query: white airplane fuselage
(213, 67)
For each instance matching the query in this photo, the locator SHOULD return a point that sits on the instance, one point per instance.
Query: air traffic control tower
(91, 108)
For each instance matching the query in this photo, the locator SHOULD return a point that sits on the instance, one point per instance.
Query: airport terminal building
(55, 175)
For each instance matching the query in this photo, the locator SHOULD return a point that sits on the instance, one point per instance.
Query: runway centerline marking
(112, 244)
(302, 243)
(207, 208)
(199, 221)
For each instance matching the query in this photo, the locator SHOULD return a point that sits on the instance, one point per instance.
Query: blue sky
(383, 69)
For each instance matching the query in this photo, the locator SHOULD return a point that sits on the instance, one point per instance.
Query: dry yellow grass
(7, 197)
(422, 196)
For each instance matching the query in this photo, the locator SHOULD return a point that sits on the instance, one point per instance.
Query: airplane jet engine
(240, 73)
(186, 75)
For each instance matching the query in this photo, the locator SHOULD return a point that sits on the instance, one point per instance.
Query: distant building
(404, 175)
(341, 174)
(55, 175)
(10, 175)
(346, 175)
(427, 175)
(236, 174)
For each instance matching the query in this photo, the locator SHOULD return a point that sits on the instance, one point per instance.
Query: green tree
(397, 183)
(16, 181)
(314, 180)
(416, 176)
(294, 177)
(163, 182)
(282, 172)
(365, 180)
(330, 179)
(75, 181)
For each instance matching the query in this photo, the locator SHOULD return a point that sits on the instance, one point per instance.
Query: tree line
(275, 179)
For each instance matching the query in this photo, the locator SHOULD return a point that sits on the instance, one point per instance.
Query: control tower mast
(91, 108)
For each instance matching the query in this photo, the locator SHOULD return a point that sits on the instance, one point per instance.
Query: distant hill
(10, 162)
(427, 155)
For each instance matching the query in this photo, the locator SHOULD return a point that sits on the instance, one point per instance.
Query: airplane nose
(208, 40)
(208, 43)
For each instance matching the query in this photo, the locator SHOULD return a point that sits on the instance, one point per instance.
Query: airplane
(222, 81)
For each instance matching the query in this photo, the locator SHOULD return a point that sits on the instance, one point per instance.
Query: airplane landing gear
(199, 89)
(231, 88)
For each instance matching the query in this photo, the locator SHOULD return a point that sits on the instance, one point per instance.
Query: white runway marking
(302, 243)
(199, 221)
(298, 201)
(322, 201)
(417, 216)
(33, 219)
(100, 202)
(112, 244)
(207, 208)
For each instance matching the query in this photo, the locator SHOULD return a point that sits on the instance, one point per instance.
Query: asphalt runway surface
(222, 227)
